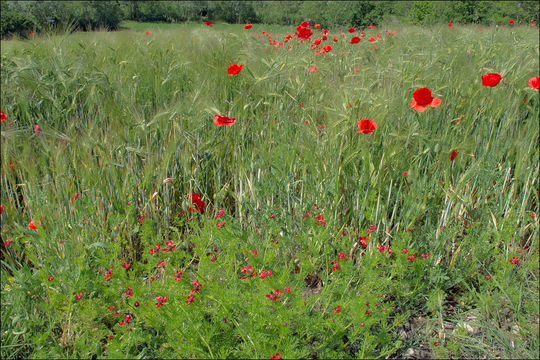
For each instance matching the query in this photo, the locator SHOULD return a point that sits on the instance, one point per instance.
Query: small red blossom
(8, 242)
(336, 266)
(161, 265)
(79, 297)
(488, 277)
(316, 42)
(160, 301)
(127, 265)
(404, 251)
(264, 274)
(155, 250)
(276, 357)
(31, 34)
(273, 295)
(453, 155)
(147, 33)
(178, 275)
(220, 226)
(342, 256)
(312, 69)
(411, 258)
(126, 321)
(450, 25)
(108, 274)
(351, 30)
(50, 278)
(362, 240)
(32, 225)
(129, 292)
(37, 130)
(381, 248)
(355, 40)
(424, 256)
(317, 26)
(234, 69)
(3, 117)
(223, 120)
(190, 299)
(208, 23)
(422, 99)
(534, 82)
(338, 309)
(196, 287)
(366, 126)
(491, 80)
(248, 26)
(196, 198)
(249, 271)
(511, 22)
(514, 261)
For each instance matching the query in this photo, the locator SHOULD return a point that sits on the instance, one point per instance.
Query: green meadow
(380, 245)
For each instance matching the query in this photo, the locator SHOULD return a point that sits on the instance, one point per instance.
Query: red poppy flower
(324, 38)
(533, 25)
(37, 130)
(372, 39)
(453, 155)
(234, 69)
(351, 30)
(276, 357)
(312, 69)
(248, 26)
(366, 126)
(50, 278)
(317, 26)
(305, 24)
(1, 209)
(303, 33)
(224, 120)
(534, 82)
(422, 98)
(3, 117)
(371, 26)
(147, 33)
(32, 225)
(31, 34)
(197, 201)
(325, 32)
(336, 39)
(491, 80)
(208, 23)
(450, 25)
(355, 40)
(316, 42)
(338, 309)
(511, 22)
(327, 48)
(8, 242)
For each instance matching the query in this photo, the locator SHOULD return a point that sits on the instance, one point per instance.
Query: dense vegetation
(134, 226)
(22, 17)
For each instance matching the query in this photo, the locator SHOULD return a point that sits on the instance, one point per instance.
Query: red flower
(305, 24)
(491, 80)
(404, 251)
(312, 69)
(511, 22)
(338, 309)
(160, 301)
(276, 357)
(450, 25)
(351, 30)
(37, 130)
(147, 33)
(325, 32)
(488, 277)
(534, 82)
(8, 242)
(178, 275)
(355, 40)
(197, 201)
(514, 261)
(31, 34)
(3, 117)
(273, 296)
(336, 39)
(324, 38)
(248, 26)
(453, 155)
(221, 226)
(422, 98)
(533, 25)
(50, 278)
(366, 126)
(32, 225)
(303, 33)
(234, 69)
(127, 265)
(79, 297)
(129, 292)
(224, 120)
(316, 42)
(1, 209)
(317, 26)
(208, 23)
(327, 48)
(190, 299)
(342, 255)
(372, 39)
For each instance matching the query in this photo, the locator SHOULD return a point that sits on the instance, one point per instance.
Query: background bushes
(21, 17)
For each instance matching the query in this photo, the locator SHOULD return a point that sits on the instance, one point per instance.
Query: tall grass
(120, 112)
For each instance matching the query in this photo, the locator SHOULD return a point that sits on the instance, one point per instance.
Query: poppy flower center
(422, 96)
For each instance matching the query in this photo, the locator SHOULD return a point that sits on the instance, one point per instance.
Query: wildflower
(196, 287)
(264, 274)
(534, 82)
(404, 251)
(453, 155)
(249, 271)
(208, 23)
(317, 26)
(411, 258)
(514, 261)
(405, 174)
(170, 246)
(108, 275)
(286, 290)
(220, 226)
(338, 309)
(190, 299)
(155, 250)
(160, 301)
(372, 39)
(491, 80)
(450, 25)
(37, 130)
(178, 275)
(79, 297)
(75, 196)
(275, 357)
(422, 98)
(223, 120)
(316, 42)
(312, 69)
(196, 198)
(129, 292)
(366, 126)
(126, 321)
(355, 40)
(248, 26)
(220, 213)
(3, 117)
(351, 30)
(342, 255)
(273, 296)
(488, 277)
(511, 22)
(303, 33)
(161, 264)
(8, 242)
(336, 266)
(127, 265)
(32, 225)
(424, 256)
(31, 34)
(234, 69)
(363, 241)
(371, 229)
(305, 24)
(147, 33)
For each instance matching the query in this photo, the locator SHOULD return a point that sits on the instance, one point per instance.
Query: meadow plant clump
(248, 192)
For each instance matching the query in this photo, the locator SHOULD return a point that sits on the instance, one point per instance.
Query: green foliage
(126, 123)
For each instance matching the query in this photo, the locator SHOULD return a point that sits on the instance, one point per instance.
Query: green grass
(121, 111)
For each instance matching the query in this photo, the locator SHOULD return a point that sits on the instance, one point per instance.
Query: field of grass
(379, 244)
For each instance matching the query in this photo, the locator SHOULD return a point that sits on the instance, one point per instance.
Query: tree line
(22, 17)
